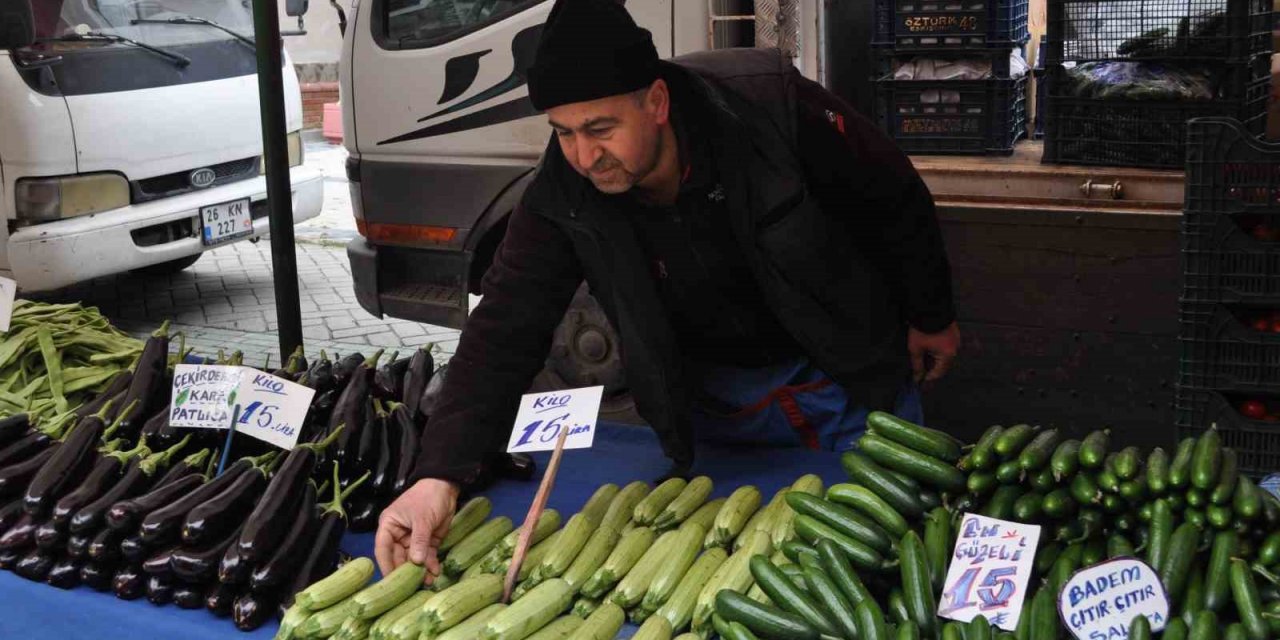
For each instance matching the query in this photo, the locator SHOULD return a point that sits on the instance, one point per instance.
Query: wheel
(172, 266)
(585, 352)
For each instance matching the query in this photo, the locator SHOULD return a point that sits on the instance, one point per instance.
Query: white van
(130, 136)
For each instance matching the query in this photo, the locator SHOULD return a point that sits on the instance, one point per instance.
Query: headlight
(47, 199)
(293, 142)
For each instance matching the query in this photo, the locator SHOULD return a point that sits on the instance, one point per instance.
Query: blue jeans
(788, 405)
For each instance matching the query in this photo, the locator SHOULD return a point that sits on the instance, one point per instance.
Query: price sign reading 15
(543, 415)
(274, 409)
(989, 571)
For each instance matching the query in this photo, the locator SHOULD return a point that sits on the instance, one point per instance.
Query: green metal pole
(284, 263)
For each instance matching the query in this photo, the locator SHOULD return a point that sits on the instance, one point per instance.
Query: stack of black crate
(1230, 308)
(1125, 76)
(958, 117)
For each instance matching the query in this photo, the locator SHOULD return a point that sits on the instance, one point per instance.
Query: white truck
(442, 142)
(130, 136)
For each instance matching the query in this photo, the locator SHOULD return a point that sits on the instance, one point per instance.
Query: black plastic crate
(953, 117)
(1229, 346)
(1233, 180)
(1145, 133)
(1256, 442)
(1084, 30)
(930, 25)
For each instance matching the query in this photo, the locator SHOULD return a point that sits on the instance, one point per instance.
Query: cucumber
(648, 509)
(467, 519)
(834, 605)
(598, 504)
(1244, 589)
(624, 504)
(1022, 631)
(338, 586)
(1140, 628)
(1000, 506)
(603, 624)
(1196, 517)
(1046, 555)
(1009, 472)
(952, 631)
(898, 606)
(1228, 478)
(573, 537)
(591, 557)
(1093, 449)
(678, 609)
(1220, 517)
(981, 483)
(1011, 442)
(862, 556)
(694, 495)
(907, 631)
(630, 549)
(1177, 502)
(1217, 588)
(1175, 629)
(1108, 481)
(1180, 468)
(864, 500)
(937, 545)
(917, 587)
(765, 620)
(1095, 551)
(930, 442)
(982, 456)
(1135, 491)
(1114, 504)
(470, 628)
(742, 504)
(476, 545)
(633, 586)
(1158, 471)
(1235, 631)
(978, 629)
(870, 617)
(1204, 626)
(1044, 616)
(784, 593)
(1062, 570)
(1127, 463)
(560, 629)
(1119, 546)
(1161, 530)
(678, 559)
(523, 617)
(1269, 552)
(1058, 504)
(843, 519)
(1246, 503)
(1084, 491)
(894, 489)
(836, 565)
(705, 516)
(1042, 480)
(1065, 459)
(1206, 461)
(926, 469)
(459, 602)
(794, 551)
(379, 597)
(1197, 499)
(1037, 453)
(1177, 561)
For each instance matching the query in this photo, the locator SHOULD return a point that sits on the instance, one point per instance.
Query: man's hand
(941, 347)
(412, 527)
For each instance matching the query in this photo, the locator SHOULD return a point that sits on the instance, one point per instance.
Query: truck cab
(130, 137)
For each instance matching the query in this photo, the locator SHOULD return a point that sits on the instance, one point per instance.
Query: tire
(166, 268)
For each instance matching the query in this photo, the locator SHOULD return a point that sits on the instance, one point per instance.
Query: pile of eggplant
(118, 500)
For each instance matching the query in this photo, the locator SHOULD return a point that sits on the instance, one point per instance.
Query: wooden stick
(535, 512)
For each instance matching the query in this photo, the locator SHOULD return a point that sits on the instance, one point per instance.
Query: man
(771, 262)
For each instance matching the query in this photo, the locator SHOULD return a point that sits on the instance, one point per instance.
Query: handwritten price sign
(1099, 602)
(203, 396)
(543, 415)
(273, 409)
(989, 571)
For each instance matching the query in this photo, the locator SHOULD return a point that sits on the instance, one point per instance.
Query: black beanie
(590, 49)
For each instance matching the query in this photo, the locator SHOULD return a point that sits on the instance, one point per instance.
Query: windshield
(54, 18)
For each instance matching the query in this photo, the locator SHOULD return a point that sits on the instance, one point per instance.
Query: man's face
(615, 142)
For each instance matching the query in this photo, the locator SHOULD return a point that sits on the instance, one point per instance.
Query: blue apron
(792, 404)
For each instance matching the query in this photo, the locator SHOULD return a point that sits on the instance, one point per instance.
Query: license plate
(225, 222)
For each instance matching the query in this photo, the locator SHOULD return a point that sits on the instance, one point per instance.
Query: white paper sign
(203, 395)
(272, 409)
(543, 415)
(1099, 602)
(990, 568)
(8, 291)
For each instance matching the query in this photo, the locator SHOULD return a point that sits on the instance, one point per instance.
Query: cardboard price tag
(1099, 602)
(8, 292)
(543, 415)
(272, 409)
(990, 568)
(203, 396)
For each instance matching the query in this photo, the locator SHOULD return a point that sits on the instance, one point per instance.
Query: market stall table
(621, 454)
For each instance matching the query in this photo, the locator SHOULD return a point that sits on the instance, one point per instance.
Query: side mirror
(17, 28)
(296, 8)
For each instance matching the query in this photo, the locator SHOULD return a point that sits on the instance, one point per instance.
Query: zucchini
(1037, 453)
(930, 442)
(654, 628)
(1093, 449)
(1248, 603)
(1158, 471)
(630, 549)
(598, 504)
(584, 607)
(477, 544)
(548, 523)
(624, 505)
(678, 609)
(785, 594)
(603, 624)
(461, 601)
(633, 586)
(733, 575)
(1180, 468)
(1065, 459)
(648, 509)
(926, 469)
(540, 606)
(937, 545)
(1011, 442)
(843, 519)
(470, 628)
(693, 495)
(1228, 478)
(1160, 532)
(899, 494)
(705, 516)
(325, 623)
(1127, 463)
(338, 586)
(558, 629)
(1176, 566)
(862, 556)
(534, 558)
(408, 625)
(1206, 461)
(917, 588)
(679, 557)
(809, 483)
(354, 629)
(466, 520)
(768, 517)
(411, 606)
(742, 504)
(836, 607)
(391, 590)
(573, 537)
(591, 557)
(762, 619)
(870, 617)
(1217, 587)
(292, 619)
(866, 501)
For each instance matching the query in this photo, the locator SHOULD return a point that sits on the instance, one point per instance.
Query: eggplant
(234, 568)
(13, 428)
(251, 610)
(135, 550)
(431, 394)
(293, 367)
(158, 422)
(126, 514)
(135, 480)
(35, 565)
(25, 447)
(219, 599)
(68, 465)
(280, 568)
(363, 517)
(64, 574)
(140, 400)
(201, 564)
(106, 546)
(388, 380)
(320, 375)
(78, 546)
(104, 475)
(161, 562)
(194, 463)
(188, 596)
(345, 368)
(168, 518)
(322, 555)
(50, 537)
(159, 589)
(17, 477)
(21, 535)
(350, 408)
(118, 385)
(97, 576)
(407, 451)
(264, 528)
(421, 366)
(384, 466)
(10, 514)
(129, 582)
(221, 512)
(367, 449)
